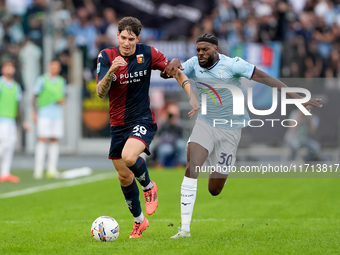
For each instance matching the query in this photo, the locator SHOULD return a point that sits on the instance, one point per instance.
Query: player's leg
(196, 155)
(7, 144)
(131, 194)
(56, 133)
(217, 182)
(138, 142)
(119, 137)
(223, 158)
(53, 155)
(132, 149)
(41, 148)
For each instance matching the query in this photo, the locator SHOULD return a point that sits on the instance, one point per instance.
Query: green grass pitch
(250, 216)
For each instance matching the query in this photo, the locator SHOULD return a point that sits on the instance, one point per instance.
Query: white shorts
(8, 132)
(220, 143)
(50, 128)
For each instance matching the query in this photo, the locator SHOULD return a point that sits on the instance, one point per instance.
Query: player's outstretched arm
(104, 85)
(265, 78)
(171, 69)
(183, 80)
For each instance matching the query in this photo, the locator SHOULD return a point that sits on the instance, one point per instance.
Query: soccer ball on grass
(105, 229)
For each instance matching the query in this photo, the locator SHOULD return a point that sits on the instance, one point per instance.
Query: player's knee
(125, 178)
(129, 159)
(215, 191)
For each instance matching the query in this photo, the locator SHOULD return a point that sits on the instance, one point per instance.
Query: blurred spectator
(208, 25)
(10, 95)
(65, 61)
(30, 59)
(35, 32)
(85, 34)
(112, 29)
(225, 12)
(16, 32)
(171, 148)
(251, 29)
(62, 17)
(196, 31)
(300, 136)
(305, 27)
(101, 27)
(17, 7)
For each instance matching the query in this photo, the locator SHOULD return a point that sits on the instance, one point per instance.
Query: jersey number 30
(225, 159)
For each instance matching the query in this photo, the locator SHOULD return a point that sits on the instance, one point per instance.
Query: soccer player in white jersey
(10, 95)
(209, 145)
(48, 113)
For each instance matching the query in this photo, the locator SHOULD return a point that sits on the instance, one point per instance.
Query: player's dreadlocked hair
(210, 38)
(130, 24)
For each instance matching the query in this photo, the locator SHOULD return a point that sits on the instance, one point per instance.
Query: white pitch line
(195, 220)
(70, 183)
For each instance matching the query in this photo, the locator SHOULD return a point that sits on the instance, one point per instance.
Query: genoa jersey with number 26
(129, 92)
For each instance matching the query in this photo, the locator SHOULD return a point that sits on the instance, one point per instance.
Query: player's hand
(171, 69)
(118, 62)
(312, 102)
(61, 101)
(195, 106)
(34, 116)
(26, 126)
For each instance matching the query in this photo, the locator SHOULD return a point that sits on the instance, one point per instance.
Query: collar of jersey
(6, 82)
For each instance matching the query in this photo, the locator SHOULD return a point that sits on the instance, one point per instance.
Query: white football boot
(181, 234)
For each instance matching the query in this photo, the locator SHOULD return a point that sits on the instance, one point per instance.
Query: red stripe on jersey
(159, 61)
(152, 114)
(117, 92)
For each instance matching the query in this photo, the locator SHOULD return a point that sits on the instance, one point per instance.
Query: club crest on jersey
(140, 58)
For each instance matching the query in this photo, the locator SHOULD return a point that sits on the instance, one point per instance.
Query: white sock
(148, 187)
(7, 156)
(53, 155)
(40, 152)
(140, 218)
(188, 197)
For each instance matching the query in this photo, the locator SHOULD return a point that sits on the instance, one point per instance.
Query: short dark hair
(7, 62)
(207, 37)
(130, 24)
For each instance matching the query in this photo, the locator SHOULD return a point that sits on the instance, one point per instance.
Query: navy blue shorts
(141, 130)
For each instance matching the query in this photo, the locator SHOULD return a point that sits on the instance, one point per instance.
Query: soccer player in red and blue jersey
(124, 73)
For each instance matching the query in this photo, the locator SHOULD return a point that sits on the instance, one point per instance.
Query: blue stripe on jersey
(137, 96)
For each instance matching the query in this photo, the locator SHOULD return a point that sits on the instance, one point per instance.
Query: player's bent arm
(104, 85)
(183, 80)
(265, 78)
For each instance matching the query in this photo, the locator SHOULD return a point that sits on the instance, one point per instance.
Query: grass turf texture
(250, 216)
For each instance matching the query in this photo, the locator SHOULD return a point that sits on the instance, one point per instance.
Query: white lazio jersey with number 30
(219, 101)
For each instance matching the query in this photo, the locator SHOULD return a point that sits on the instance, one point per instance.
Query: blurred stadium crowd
(309, 31)
(32, 32)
